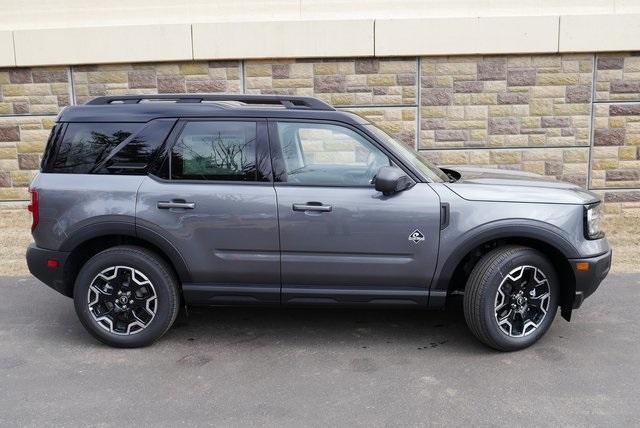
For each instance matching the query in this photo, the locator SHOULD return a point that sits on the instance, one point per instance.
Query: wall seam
(13, 45)
(615, 189)
(618, 102)
(72, 87)
(583, 146)
(9, 116)
(591, 121)
(374, 37)
(559, 24)
(193, 56)
(375, 105)
(418, 99)
(243, 85)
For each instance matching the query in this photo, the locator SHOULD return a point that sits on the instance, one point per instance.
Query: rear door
(341, 240)
(216, 206)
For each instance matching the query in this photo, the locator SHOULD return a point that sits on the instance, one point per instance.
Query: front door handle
(312, 206)
(176, 203)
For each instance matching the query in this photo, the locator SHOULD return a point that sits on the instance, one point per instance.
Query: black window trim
(278, 161)
(261, 135)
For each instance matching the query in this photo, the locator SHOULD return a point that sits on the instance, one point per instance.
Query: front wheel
(126, 296)
(511, 298)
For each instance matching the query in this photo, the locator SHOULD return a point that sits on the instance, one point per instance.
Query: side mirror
(390, 180)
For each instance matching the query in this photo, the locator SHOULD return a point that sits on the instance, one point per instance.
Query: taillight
(34, 208)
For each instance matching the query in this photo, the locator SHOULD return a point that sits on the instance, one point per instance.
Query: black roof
(142, 108)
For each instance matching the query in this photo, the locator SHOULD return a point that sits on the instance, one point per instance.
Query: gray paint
(247, 237)
(229, 237)
(70, 203)
(478, 184)
(362, 243)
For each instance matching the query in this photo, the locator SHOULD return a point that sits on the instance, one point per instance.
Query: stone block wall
(571, 116)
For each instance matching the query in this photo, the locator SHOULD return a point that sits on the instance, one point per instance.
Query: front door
(341, 240)
(217, 208)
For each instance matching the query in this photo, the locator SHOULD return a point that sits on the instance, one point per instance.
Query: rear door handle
(176, 203)
(312, 206)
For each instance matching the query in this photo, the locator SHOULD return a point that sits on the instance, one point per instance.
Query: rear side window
(220, 150)
(84, 145)
(133, 157)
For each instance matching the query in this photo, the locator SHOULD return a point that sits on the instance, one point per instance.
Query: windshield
(408, 154)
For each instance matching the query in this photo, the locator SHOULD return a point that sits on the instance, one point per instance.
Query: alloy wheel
(522, 301)
(122, 300)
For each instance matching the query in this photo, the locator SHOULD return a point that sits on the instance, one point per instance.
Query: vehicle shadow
(254, 327)
(322, 326)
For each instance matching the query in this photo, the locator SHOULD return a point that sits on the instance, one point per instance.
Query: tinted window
(85, 145)
(215, 151)
(328, 155)
(51, 144)
(134, 156)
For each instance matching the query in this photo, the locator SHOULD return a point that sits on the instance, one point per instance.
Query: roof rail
(289, 102)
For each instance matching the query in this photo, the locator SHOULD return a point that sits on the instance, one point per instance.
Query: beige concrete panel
(451, 36)
(36, 14)
(283, 39)
(6, 49)
(627, 6)
(94, 45)
(343, 9)
(589, 33)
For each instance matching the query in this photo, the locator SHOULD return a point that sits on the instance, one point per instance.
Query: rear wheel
(126, 296)
(511, 298)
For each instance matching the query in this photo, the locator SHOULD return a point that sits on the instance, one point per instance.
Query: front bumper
(588, 281)
(37, 261)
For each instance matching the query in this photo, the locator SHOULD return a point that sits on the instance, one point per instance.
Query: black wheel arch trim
(133, 230)
(516, 228)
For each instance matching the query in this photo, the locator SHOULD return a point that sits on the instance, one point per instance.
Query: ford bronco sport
(147, 203)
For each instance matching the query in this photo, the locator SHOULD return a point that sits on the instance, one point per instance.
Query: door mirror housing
(390, 180)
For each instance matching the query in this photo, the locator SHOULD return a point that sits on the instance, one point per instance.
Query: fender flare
(513, 228)
(124, 228)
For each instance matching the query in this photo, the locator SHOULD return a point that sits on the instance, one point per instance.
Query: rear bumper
(588, 281)
(37, 259)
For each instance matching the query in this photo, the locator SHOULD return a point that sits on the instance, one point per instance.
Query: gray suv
(145, 204)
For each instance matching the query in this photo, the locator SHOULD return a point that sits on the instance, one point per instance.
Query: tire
(126, 296)
(499, 318)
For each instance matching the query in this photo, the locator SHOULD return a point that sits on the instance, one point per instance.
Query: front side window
(224, 151)
(85, 145)
(328, 155)
(413, 157)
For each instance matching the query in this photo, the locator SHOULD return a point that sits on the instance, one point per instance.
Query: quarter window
(328, 155)
(223, 151)
(85, 145)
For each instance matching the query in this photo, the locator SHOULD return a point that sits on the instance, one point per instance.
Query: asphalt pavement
(318, 367)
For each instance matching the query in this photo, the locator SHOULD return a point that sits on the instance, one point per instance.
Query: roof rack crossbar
(289, 102)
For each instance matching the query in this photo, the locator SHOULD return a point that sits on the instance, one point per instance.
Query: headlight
(593, 217)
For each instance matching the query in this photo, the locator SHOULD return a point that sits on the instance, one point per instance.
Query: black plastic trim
(588, 281)
(96, 230)
(286, 101)
(203, 294)
(489, 232)
(354, 296)
(53, 277)
(444, 215)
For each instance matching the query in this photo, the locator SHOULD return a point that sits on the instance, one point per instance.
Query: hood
(480, 184)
